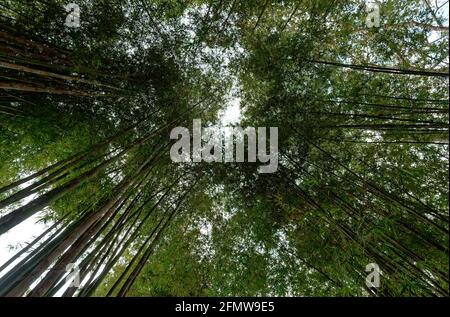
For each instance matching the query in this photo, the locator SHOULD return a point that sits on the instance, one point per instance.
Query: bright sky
(22, 233)
(232, 113)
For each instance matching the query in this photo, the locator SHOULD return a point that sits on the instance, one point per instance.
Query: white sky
(22, 233)
(232, 112)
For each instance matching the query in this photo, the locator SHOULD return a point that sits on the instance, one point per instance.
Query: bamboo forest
(356, 204)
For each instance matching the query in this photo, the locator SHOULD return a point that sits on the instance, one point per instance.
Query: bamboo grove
(85, 118)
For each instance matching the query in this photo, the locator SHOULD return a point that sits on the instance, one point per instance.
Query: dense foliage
(362, 112)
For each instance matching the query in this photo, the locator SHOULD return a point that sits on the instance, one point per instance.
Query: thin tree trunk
(48, 90)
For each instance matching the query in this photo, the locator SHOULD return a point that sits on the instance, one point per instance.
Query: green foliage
(363, 159)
